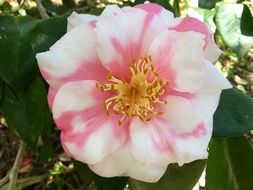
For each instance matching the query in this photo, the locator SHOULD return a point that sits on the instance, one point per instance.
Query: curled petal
(120, 40)
(188, 24)
(166, 16)
(75, 20)
(212, 52)
(206, 100)
(87, 133)
(121, 163)
(182, 62)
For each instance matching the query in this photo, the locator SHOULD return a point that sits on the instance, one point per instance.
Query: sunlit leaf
(228, 17)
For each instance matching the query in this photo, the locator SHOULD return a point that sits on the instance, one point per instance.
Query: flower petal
(88, 134)
(152, 142)
(178, 57)
(76, 19)
(191, 24)
(120, 40)
(206, 100)
(72, 58)
(190, 147)
(212, 52)
(180, 115)
(50, 96)
(121, 163)
(165, 15)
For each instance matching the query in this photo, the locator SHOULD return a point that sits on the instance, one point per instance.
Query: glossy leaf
(27, 114)
(175, 178)
(246, 21)
(227, 19)
(18, 65)
(230, 164)
(47, 32)
(234, 115)
(207, 4)
(87, 176)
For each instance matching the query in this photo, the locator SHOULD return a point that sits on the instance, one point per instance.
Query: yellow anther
(137, 97)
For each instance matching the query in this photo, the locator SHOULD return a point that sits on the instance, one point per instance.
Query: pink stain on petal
(192, 24)
(93, 23)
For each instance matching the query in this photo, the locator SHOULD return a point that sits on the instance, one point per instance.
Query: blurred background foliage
(24, 113)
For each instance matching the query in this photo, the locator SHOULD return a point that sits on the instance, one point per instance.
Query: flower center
(138, 97)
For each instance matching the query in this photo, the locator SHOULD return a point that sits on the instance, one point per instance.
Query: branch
(41, 9)
(15, 168)
(4, 180)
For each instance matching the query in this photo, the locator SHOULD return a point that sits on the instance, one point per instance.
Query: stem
(176, 8)
(41, 10)
(15, 169)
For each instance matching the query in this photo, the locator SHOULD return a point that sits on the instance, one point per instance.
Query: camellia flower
(133, 90)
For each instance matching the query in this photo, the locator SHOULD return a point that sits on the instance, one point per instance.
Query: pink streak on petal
(200, 130)
(150, 8)
(50, 96)
(186, 95)
(93, 23)
(93, 118)
(88, 70)
(192, 24)
(129, 52)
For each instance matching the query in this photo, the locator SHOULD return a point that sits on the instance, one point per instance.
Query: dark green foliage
(246, 22)
(234, 115)
(229, 164)
(175, 178)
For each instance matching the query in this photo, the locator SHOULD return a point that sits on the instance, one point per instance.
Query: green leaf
(227, 19)
(84, 172)
(246, 22)
(18, 65)
(46, 153)
(113, 183)
(230, 164)
(1, 94)
(207, 4)
(47, 32)
(27, 114)
(234, 115)
(175, 178)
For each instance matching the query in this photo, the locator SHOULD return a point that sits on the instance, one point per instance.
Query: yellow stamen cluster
(138, 97)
